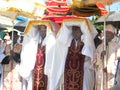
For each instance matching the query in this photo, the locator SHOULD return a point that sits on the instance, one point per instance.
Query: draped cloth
(74, 68)
(63, 42)
(112, 54)
(30, 46)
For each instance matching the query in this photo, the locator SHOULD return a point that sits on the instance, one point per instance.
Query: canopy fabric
(21, 26)
(102, 9)
(8, 14)
(86, 11)
(36, 8)
(54, 2)
(7, 22)
(111, 18)
(83, 3)
(58, 19)
(35, 23)
(89, 10)
(75, 7)
(58, 10)
(16, 8)
(2, 27)
(89, 7)
(57, 7)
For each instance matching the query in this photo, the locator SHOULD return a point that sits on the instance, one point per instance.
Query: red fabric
(60, 7)
(58, 19)
(57, 6)
(57, 10)
(56, 3)
(102, 9)
(39, 79)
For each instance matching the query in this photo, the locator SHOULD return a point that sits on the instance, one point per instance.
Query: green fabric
(2, 33)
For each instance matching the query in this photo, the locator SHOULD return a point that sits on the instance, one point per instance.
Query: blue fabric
(118, 63)
(21, 18)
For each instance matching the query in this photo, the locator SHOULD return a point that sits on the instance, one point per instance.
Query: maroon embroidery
(74, 68)
(39, 78)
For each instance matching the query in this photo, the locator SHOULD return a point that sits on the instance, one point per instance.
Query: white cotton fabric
(63, 42)
(28, 53)
(7, 37)
(55, 27)
(93, 29)
(66, 36)
(29, 50)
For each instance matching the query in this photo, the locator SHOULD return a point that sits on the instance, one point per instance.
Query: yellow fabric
(82, 3)
(87, 8)
(76, 20)
(35, 23)
(30, 10)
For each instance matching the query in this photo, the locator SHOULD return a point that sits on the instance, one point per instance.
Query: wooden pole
(105, 56)
(12, 34)
(104, 59)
